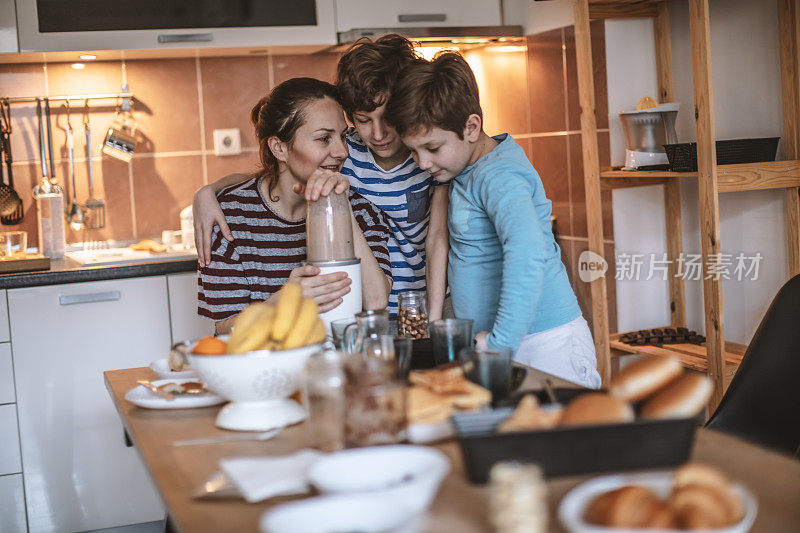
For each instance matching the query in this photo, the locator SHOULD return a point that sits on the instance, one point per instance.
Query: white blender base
(260, 416)
(351, 302)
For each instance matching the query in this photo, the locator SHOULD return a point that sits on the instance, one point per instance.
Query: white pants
(565, 351)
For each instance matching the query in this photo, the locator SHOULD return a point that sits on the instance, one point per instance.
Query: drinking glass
(376, 401)
(325, 387)
(13, 244)
(490, 368)
(402, 353)
(338, 328)
(449, 337)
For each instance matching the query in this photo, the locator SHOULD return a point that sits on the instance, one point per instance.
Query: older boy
(505, 270)
(381, 169)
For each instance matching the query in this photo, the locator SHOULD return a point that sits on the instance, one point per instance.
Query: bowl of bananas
(263, 361)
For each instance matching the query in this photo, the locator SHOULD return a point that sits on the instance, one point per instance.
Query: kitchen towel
(259, 478)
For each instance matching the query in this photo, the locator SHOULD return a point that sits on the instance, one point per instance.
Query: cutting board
(120, 256)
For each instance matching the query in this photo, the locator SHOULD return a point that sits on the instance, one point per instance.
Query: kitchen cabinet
(5, 335)
(98, 25)
(78, 473)
(185, 322)
(9, 448)
(407, 13)
(7, 394)
(12, 504)
(8, 31)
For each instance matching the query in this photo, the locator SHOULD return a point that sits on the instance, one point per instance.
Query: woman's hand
(207, 213)
(326, 289)
(321, 183)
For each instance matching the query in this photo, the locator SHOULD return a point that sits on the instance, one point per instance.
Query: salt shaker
(412, 315)
(517, 498)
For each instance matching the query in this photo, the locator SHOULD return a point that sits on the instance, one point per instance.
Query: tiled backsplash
(530, 93)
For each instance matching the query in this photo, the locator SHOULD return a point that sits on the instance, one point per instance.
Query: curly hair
(366, 73)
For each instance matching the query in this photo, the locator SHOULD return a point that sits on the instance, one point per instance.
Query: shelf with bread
(716, 357)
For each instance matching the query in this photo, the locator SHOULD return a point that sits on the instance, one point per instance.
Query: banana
(252, 329)
(317, 333)
(286, 311)
(302, 326)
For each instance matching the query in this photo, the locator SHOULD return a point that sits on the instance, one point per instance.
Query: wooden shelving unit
(717, 357)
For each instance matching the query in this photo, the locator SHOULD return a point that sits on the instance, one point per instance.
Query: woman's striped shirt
(265, 249)
(403, 194)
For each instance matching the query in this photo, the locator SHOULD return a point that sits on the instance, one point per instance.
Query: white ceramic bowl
(573, 506)
(258, 385)
(366, 513)
(408, 475)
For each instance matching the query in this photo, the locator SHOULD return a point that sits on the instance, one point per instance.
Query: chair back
(762, 403)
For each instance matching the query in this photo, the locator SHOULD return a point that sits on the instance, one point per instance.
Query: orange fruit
(210, 346)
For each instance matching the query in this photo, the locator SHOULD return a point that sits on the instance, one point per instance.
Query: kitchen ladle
(74, 212)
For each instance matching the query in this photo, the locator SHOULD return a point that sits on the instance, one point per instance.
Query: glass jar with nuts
(412, 315)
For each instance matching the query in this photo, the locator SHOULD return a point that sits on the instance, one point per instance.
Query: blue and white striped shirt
(403, 194)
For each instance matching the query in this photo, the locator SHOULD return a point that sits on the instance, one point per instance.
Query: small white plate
(573, 506)
(161, 368)
(365, 513)
(144, 397)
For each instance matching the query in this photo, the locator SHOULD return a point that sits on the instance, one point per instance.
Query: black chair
(762, 403)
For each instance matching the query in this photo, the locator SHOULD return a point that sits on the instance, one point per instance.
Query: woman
(300, 129)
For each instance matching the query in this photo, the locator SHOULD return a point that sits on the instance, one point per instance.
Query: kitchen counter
(69, 271)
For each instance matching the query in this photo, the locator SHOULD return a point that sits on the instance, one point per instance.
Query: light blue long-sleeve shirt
(505, 270)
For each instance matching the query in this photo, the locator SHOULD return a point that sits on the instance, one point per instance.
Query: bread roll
(626, 507)
(698, 506)
(700, 474)
(644, 377)
(596, 408)
(682, 398)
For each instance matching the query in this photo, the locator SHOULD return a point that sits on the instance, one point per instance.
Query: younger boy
(505, 270)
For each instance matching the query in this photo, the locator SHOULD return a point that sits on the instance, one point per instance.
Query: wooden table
(459, 506)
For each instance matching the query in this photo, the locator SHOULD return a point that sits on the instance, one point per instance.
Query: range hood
(434, 35)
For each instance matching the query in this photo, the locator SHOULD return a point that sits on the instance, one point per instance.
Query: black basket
(683, 157)
(561, 451)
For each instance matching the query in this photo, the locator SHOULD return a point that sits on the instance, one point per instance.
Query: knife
(266, 435)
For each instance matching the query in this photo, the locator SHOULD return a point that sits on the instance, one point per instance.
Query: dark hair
(366, 73)
(280, 114)
(441, 93)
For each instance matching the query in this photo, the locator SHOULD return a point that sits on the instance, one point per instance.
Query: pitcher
(369, 326)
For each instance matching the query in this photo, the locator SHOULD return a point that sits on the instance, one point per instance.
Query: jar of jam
(412, 315)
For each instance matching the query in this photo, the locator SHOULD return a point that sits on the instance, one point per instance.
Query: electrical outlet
(227, 142)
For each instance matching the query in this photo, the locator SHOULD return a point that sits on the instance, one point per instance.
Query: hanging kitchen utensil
(95, 207)
(15, 216)
(49, 199)
(44, 187)
(74, 212)
(120, 140)
(10, 201)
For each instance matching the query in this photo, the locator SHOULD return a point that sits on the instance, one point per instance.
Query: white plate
(144, 397)
(161, 368)
(364, 513)
(573, 506)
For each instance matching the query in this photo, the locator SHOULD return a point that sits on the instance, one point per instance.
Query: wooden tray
(30, 263)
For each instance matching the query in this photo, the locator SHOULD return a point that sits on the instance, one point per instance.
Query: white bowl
(573, 507)
(162, 370)
(258, 385)
(366, 513)
(408, 475)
